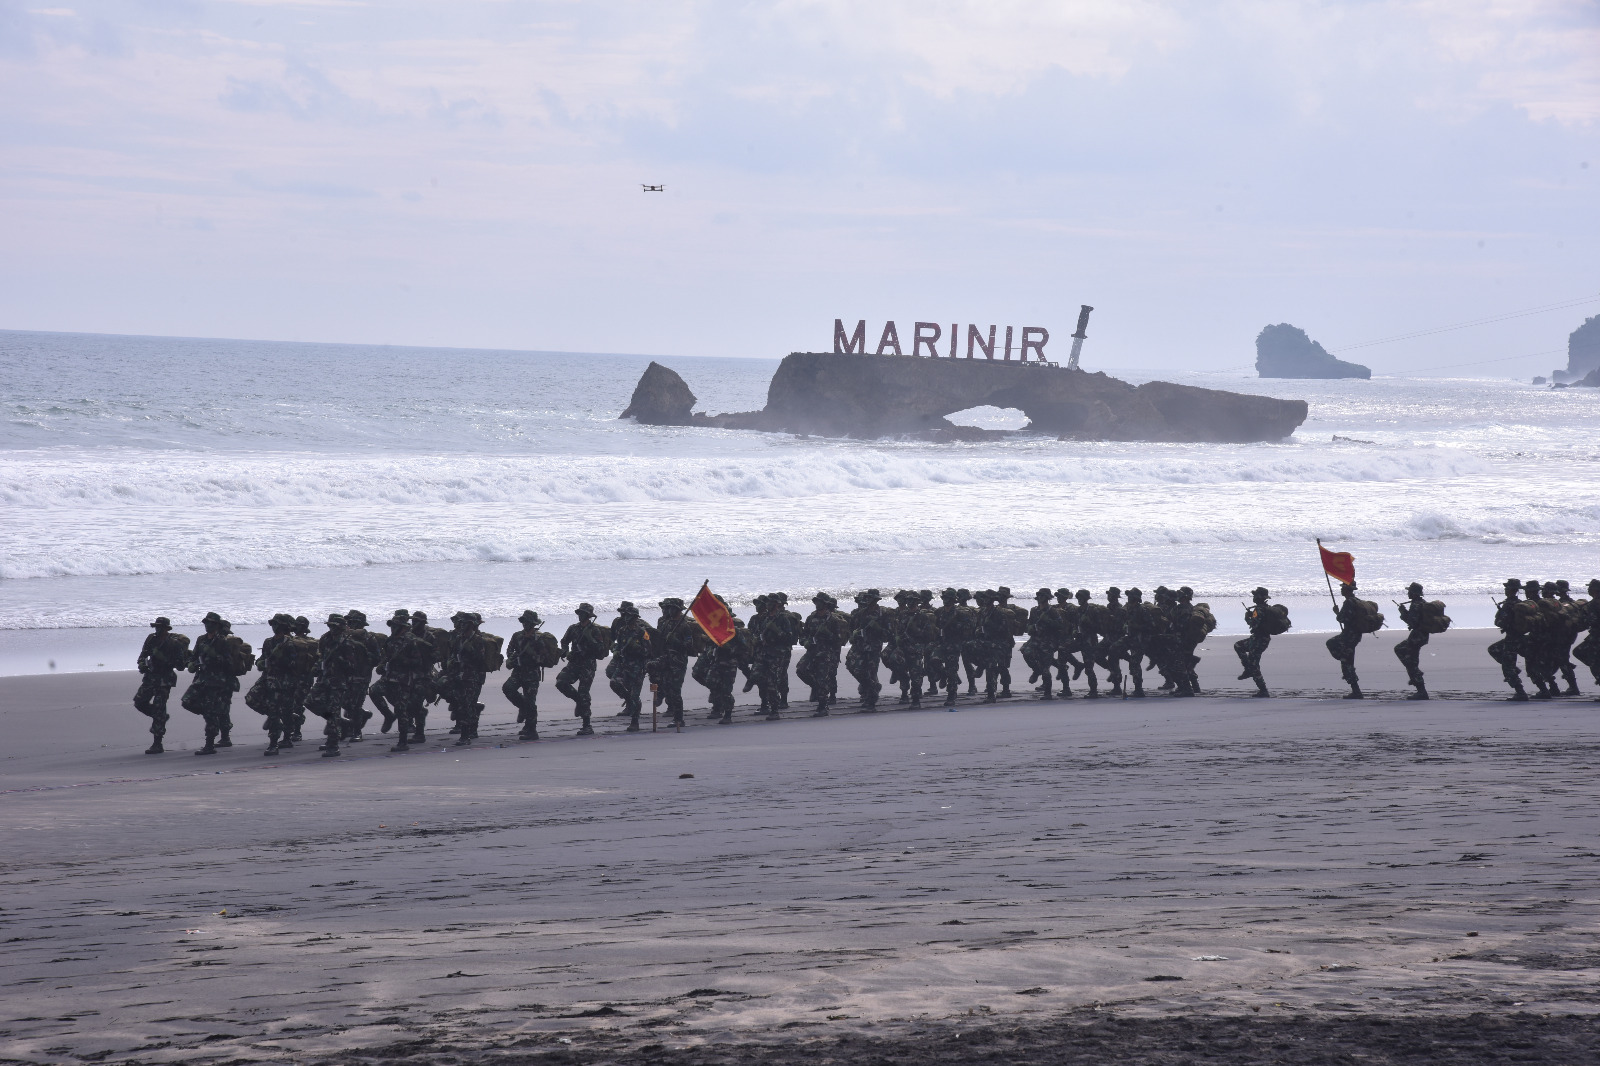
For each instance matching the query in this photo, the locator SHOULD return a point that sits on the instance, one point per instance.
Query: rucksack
(241, 657)
(493, 654)
(300, 655)
(1433, 619)
(1274, 618)
(1200, 623)
(1525, 618)
(173, 652)
(1370, 620)
(546, 650)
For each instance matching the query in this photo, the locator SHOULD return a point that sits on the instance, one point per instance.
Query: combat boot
(388, 722)
(726, 717)
(465, 739)
(1261, 687)
(950, 697)
(1420, 694)
(155, 747)
(586, 730)
(633, 725)
(223, 741)
(400, 745)
(272, 749)
(1354, 693)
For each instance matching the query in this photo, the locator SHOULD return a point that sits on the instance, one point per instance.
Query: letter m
(855, 344)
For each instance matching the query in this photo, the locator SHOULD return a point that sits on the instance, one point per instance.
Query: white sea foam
(286, 471)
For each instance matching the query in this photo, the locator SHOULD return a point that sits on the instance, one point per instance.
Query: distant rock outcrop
(661, 398)
(1583, 353)
(1284, 351)
(833, 394)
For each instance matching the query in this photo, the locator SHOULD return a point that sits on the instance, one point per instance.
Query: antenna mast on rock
(1078, 337)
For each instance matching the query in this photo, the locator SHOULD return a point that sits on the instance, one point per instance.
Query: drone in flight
(653, 188)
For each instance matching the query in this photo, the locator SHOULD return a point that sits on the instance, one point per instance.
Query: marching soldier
(678, 638)
(582, 645)
(1420, 620)
(1265, 621)
(826, 631)
(1509, 621)
(867, 633)
(524, 657)
(164, 653)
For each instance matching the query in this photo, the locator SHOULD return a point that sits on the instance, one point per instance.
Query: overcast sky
(468, 173)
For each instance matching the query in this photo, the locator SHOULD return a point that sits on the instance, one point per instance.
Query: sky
(468, 173)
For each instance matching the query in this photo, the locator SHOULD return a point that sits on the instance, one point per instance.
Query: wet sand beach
(1298, 879)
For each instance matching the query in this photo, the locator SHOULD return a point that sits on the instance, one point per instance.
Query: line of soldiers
(1540, 629)
(927, 649)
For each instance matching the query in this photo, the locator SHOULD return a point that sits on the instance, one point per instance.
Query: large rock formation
(1284, 351)
(882, 395)
(661, 398)
(1583, 353)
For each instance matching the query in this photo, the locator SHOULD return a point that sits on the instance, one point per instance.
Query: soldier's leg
(151, 701)
(1003, 660)
(380, 692)
(972, 659)
(583, 682)
(783, 679)
(1588, 653)
(1136, 671)
(1255, 646)
(1504, 652)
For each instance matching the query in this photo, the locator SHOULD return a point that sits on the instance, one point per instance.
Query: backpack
(546, 650)
(1200, 623)
(241, 657)
(173, 652)
(1433, 619)
(1525, 618)
(300, 655)
(493, 654)
(1275, 618)
(1370, 619)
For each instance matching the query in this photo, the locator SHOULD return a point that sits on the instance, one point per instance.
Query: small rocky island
(1285, 351)
(870, 396)
(1583, 356)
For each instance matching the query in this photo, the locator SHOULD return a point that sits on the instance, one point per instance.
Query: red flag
(1341, 565)
(713, 616)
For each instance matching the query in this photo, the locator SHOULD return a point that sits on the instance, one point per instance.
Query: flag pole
(1327, 579)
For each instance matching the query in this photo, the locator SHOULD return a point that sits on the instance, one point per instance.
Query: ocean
(143, 476)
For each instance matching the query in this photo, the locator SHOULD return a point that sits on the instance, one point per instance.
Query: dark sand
(1333, 881)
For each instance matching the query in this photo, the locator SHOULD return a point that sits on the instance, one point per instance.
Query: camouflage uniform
(1067, 641)
(384, 692)
(678, 638)
(164, 653)
(723, 670)
(462, 679)
(439, 647)
(918, 629)
(958, 626)
(522, 659)
(582, 645)
(302, 692)
(994, 634)
(1505, 650)
(1045, 638)
(356, 716)
(868, 630)
(772, 638)
(342, 665)
(273, 691)
(823, 636)
(1259, 619)
(1414, 613)
(972, 651)
(1588, 651)
(1138, 634)
(794, 625)
(1565, 625)
(216, 679)
(1086, 633)
(410, 655)
(1111, 624)
(630, 652)
(1192, 626)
